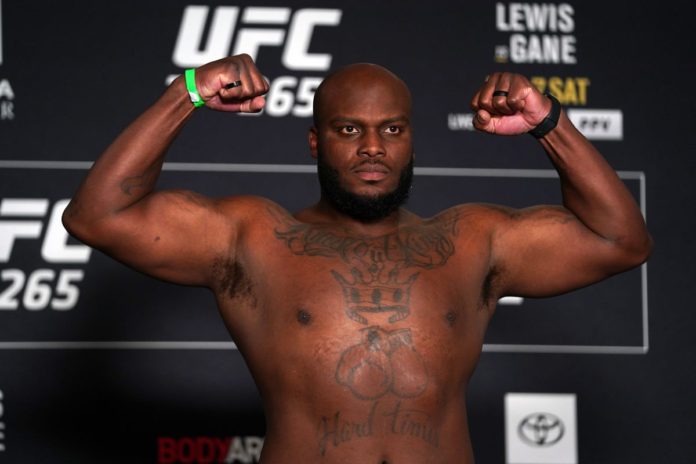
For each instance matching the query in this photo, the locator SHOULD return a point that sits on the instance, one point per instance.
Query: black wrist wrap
(550, 120)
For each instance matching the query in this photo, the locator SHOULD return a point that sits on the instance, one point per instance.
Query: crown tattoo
(376, 295)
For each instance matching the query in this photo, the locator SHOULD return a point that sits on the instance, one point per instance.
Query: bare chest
(373, 336)
(317, 285)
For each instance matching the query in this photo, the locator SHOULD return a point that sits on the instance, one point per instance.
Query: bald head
(359, 85)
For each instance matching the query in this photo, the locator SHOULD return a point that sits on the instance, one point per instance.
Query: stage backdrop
(99, 363)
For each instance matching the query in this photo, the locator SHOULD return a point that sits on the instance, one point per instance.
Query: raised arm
(547, 250)
(173, 235)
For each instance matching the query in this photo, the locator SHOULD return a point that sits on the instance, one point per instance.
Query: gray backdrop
(101, 364)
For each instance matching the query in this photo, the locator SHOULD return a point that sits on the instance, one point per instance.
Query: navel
(451, 318)
(303, 317)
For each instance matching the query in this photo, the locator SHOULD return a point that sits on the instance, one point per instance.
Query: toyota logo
(541, 429)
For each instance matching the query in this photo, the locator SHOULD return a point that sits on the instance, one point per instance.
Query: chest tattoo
(377, 272)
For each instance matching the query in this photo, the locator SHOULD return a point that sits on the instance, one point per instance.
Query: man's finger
(260, 84)
(519, 90)
(475, 101)
(485, 96)
(252, 105)
(247, 86)
(233, 84)
(501, 93)
(483, 121)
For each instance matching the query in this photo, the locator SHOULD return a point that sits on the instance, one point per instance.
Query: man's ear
(313, 141)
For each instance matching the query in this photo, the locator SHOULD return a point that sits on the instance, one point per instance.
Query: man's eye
(349, 130)
(393, 130)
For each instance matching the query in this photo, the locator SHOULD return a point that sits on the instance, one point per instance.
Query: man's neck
(324, 213)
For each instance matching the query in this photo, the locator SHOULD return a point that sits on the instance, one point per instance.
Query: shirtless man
(360, 321)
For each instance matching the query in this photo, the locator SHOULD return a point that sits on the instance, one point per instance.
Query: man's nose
(372, 144)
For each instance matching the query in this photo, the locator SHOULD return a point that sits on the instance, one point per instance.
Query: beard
(364, 208)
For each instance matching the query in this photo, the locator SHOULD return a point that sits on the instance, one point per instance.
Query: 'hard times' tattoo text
(393, 419)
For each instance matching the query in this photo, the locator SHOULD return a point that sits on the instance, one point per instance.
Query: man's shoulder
(481, 213)
(470, 221)
(252, 207)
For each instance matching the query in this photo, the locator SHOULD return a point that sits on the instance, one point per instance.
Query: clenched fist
(216, 81)
(508, 104)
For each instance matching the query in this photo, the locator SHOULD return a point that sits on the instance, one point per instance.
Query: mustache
(371, 162)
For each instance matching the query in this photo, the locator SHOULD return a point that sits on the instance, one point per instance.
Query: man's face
(363, 145)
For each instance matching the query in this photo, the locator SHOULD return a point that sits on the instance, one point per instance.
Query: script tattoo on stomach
(376, 280)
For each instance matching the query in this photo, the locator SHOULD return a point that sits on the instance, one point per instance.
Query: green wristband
(191, 87)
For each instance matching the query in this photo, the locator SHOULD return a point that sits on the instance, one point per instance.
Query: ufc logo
(192, 50)
(54, 248)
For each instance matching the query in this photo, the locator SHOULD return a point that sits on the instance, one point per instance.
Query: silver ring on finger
(234, 84)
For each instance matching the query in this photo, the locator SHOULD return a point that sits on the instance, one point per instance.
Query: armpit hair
(489, 289)
(232, 279)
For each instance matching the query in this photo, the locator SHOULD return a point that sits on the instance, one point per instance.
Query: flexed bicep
(174, 235)
(547, 250)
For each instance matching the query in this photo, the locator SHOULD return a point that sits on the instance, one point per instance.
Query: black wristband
(550, 120)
